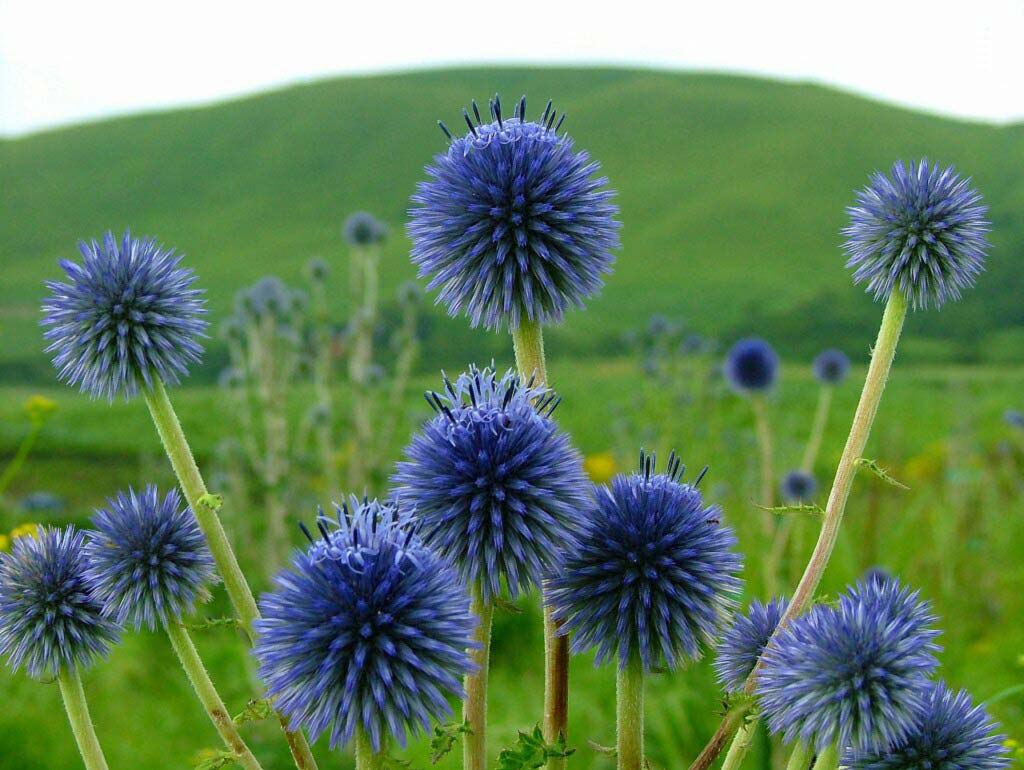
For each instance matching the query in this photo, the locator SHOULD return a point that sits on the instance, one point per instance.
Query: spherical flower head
(148, 559)
(653, 572)
(318, 270)
(495, 484)
(363, 229)
(852, 674)
(751, 366)
(798, 487)
(921, 231)
(743, 643)
(949, 733)
(127, 316)
(831, 366)
(514, 224)
(1014, 418)
(368, 629)
(49, 621)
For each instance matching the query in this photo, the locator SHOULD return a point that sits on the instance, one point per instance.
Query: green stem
(828, 759)
(764, 444)
(81, 723)
(192, 484)
(366, 757)
(474, 747)
(629, 712)
(19, 456)
(208, 696)
(817, 428)
(741, 745)
(801, 757)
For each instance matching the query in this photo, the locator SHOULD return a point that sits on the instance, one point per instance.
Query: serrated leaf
(255, 710)
(207, 623)
(880, 472)
(214, 759)
(810, 508)
(530, 751)
(444, 738)
(608, 751)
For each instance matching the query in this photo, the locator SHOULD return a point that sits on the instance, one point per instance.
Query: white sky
(68, 61)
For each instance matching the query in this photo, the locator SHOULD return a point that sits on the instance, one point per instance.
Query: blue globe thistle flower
(49, 620)
(831, 366)
(368, 629)
(1014, 418)
(743, 643)
(920, 230)
(798, 487)
(949, 733)
(652, 573)
(851, 675)
(363, 229)
(495, 484)
(128, 315)
(148, 559)
(751, 366)
(513, 223)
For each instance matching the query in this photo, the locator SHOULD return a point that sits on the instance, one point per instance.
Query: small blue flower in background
(148, 560)
(1014, 418)
(798, 487)
(949, 733)
(653, 573)
(363, 229)
(495, 485)
(127, 316)
(921, 230)
(852, 674)
(831, 366)
(49, 620)
(368, 629)
(743, 643)
(751, 366)
(514, 224)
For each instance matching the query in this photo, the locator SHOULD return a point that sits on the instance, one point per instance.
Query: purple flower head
(363, 229)
(1014, 418)
(949, 733)
(751, 366)
(368, 629)
(49, 620)
(653, 573)
(798, 487)
(127, 316)
(513, 224)
(853, 674)
(148, 560)
(743, 643)
(495, 484)
(831, 366)
(920, 230)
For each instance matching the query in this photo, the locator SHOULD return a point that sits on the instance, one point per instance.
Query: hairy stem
(741, 745)
(801, 757)
(474, 747)
(366, 757)
(817, 428)
(208, 696)
(629, 713)
(81, 723)
(828, 759)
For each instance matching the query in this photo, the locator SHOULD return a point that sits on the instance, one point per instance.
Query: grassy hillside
(732, 192)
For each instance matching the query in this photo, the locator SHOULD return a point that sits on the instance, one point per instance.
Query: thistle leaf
(880, 472)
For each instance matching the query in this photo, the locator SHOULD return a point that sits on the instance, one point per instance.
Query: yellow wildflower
(600, 467)
(39, 408)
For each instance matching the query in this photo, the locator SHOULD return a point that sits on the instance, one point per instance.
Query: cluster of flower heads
(651, 575)
(496, 486)
(127, 316)
(513, 223)
(368, 629)
(920, 230)
(363, 229)
(751, 366)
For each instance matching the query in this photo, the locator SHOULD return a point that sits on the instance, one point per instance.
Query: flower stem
(474, 747)
(208, 696)
(192, 484)
(828, 759)
(871, 395)
(629, 712)
(764, 444)
(801, 757)
(741, 745)
(366, 757)
(14, 466)
(817, 428)
(81, 723)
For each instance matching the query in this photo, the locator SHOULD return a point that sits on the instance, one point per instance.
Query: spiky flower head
(920, 230)
(127, 316)
(798, 487)
(831, 366)
(148, 560)
(495, 484)
(49, 620)
(363, 229)
(653, 572)
(318, 270)
(368, 629)
(743, 643)
(852, 674)
(513, 224)
(751, 366)
(949, 733)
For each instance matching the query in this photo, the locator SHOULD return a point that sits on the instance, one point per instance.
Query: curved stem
(629, 712)
(801, 757)
(366, 757)
(81, 723)
(817, 428)
(208, 696)
(474, 747)
(741, 745)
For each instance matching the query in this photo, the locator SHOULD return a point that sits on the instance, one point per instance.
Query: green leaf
(255, 710)
(530, 751)
(608, 751)
(212, 502)
(504, 604)
(214, 759)
(207, 623)
(880, 472)
(811, 508)
(444, 738)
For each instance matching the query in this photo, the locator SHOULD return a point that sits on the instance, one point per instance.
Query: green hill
(732, 192)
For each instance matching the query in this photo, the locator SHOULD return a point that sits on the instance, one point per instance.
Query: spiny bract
(743, 643)
(513, 224)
